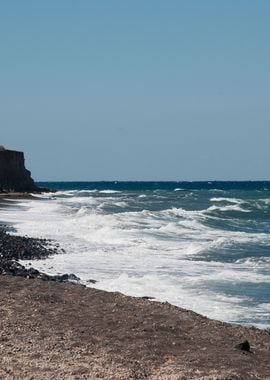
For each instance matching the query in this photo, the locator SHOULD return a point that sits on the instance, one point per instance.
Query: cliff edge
(14, 177)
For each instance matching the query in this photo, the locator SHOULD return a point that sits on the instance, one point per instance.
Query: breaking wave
(190, 248)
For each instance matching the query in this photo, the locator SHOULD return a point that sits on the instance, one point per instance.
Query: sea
(203, 246)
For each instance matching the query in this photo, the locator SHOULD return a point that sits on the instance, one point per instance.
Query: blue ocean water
(200, 245)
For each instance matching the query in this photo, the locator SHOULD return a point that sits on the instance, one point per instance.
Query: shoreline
(58, 329)
(17, 195)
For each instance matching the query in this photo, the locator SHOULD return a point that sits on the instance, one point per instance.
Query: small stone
(147, 298)
(91, 281)
(243, 346)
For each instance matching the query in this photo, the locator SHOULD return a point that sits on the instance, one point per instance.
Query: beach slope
(65, 331)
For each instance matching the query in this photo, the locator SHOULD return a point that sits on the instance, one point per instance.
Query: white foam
(109, 191)
(113, 203)
(227, 208)
(230, 200)
(181, 212)
(86, 191)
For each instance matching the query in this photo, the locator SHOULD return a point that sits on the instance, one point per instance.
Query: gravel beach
(66, 331)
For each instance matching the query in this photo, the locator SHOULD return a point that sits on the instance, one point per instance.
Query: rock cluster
(14, 248)
(24, 248)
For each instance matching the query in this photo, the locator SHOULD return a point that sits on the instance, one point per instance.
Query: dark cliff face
(13, 174)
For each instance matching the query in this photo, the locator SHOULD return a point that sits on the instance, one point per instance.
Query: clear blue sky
(137, 90)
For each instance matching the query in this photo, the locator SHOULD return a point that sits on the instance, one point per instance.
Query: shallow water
(202, 246)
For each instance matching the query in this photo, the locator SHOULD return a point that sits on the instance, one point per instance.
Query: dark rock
(14, 248)
(243, 346)
(25, 248)
(91, 281)
(66, 277)
(13, 174)
(147, 298)
(14, 177)
(13, 268)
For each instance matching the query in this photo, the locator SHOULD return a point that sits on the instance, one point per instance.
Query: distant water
(204, 246)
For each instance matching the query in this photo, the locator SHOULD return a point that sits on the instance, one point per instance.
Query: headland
(14, 177)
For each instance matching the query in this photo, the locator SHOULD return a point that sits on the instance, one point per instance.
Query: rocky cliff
(13, 174)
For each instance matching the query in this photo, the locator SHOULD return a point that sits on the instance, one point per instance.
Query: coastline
(16, 195)
(51, 329)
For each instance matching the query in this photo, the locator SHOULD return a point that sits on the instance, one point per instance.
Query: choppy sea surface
(204, 246)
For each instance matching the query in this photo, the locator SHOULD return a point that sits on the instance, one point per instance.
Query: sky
(137, 90)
